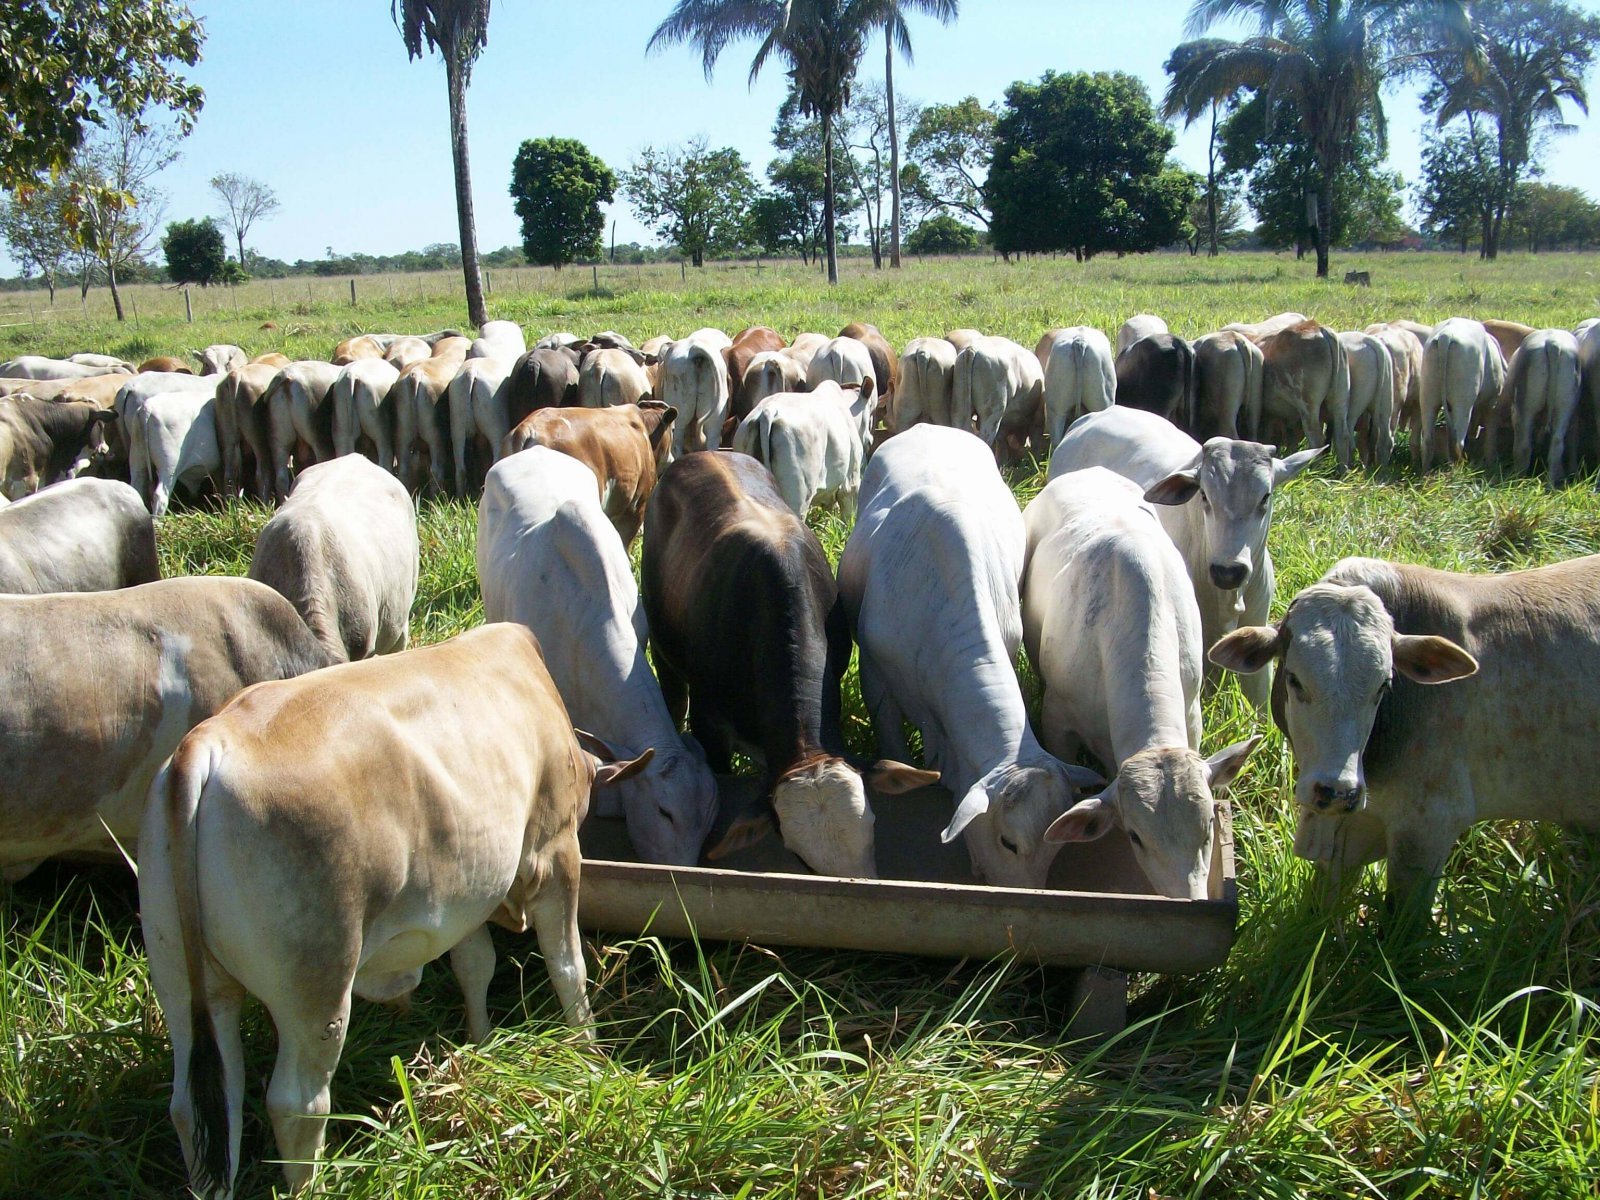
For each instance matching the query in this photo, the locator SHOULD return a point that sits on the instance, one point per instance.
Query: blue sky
(319, 100)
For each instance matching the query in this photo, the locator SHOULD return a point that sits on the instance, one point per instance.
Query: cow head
(1164, 800)
(1005, 815)
(1235, 482)
(94, 447)
(670, 806)
(1337, 653)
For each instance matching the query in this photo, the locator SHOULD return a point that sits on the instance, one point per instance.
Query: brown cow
(747, 343)
(885, 362)
(1306, 378)
(626, 447)
(165, 363)
(242, 429)
(362, 346)
(422, 418)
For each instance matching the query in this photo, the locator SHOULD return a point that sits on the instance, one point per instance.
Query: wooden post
(352, 293)
(488, 284)
(683, 271)
(188, 307)
(596, 271)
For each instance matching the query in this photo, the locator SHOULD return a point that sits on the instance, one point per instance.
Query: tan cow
(771, 372)
(1542, 387)
(100, 686)
(241, 419)
(1305, 379)
(1390, 766)
(1405, 356)
(166, 364)
(299, 419)
(362, 346)
(626, 447)
(422, 419)
(927, 377)
(611, 377)
(460, 785)
(1508, 335)
(1228, 369)
(402, 352)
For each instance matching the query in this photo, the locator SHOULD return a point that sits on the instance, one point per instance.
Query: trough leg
(1099, 1003)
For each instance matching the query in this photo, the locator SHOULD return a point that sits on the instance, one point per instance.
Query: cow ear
(748, 829)
(1248, 649)
(594, 745)
(1427, 659)
(1177, 488)
(1082, 778)
(608, 773)
(973, 804)
(1285, 469)
(1086, 821)
(892, 778)
(669, 416)
(1223, 766)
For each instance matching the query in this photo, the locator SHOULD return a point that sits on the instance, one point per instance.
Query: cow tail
(185, 778)
(1191, 391)
(764, 437)
(961, 398)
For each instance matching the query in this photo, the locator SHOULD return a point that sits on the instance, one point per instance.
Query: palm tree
(1328, 58)
(458, 30)
(1536, 56)
(895, 34)
(1191, 106)
(821, 40)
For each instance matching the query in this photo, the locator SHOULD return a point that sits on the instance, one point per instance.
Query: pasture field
(1328, 1058)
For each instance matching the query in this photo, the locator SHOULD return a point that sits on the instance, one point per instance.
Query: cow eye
(1205, 501)
(1135, 839)
(1385, 689)
(1294, 685)
(1265, 501)
(1009, 844)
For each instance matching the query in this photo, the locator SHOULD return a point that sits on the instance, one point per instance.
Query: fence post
(188, 309)
(352, 293)
(683, 271)
(488, 284)
(596, 271)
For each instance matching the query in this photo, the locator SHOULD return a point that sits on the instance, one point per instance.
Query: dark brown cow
(626, 446)
(747, 343)
(1157, 374)
(542, 378)
(885, 362)
(42, 441)
(749, 635)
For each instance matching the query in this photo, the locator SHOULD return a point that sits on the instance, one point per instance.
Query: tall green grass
(1329, 1057)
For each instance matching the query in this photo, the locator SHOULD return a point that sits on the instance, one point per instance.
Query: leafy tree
(942, 234)
(1549, 216)
(64, 63)
(822, 41)
(1327, 61)
(1203, 97)
(558, 186)
(196, 252)
(35, 228)
(233, 273)
(1285, 181)
(458, 30)
(696, 198)
(1457, 194)
(245, 201)
(115, 207)
(949, 152)
(1080, 165)
(1536, 55)
(895, 33)
(1216, 215)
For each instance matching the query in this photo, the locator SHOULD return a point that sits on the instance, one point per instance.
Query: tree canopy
(948, 156)
(942, 234)
(244, 201)
(1080, 165)
(697, 198)
(557, 188)
(66, 65)
(196, 252)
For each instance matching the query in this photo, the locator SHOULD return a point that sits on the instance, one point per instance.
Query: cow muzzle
(1336, 798)
(1230, 576)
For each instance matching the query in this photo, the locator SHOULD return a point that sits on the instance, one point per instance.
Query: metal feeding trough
(1099, 913)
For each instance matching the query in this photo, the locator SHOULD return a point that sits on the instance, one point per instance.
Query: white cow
(1110, 624)
(404, 351)
(1080, 376)
(1372, 398)
(298, 419)
(549, 559)
(1405, 355)
(129, 405)
(81, 535)
(929, 579)
(847, 361)
(804, 348)
(107, 362)
(1140, 326)
(609, 377)
(36, 366)
(499, 339)
(178, 443)
(996, 383)
(343, 550)
(220, 358)
(694, 380)
(1543, 383)
(359, 398)
(477, 403)
(1463, 372)
(927, 375)
(812, 444)
(1215, 502)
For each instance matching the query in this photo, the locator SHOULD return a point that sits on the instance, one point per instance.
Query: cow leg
(473, 961)
(888, 721)
(555, 921)
(1522, 422)
(310, 1039)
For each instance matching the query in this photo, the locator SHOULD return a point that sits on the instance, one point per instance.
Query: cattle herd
(316, 815)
